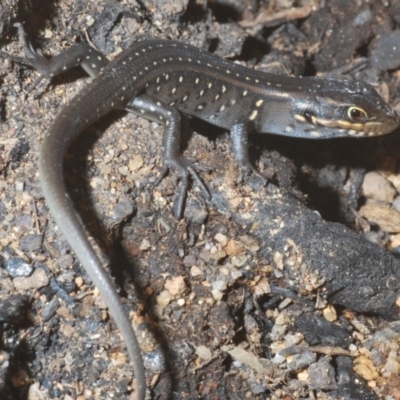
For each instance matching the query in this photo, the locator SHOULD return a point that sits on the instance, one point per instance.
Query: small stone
(278, 359)
(123, 170)
(79, 281)
(195, 271)
(376, 187)
(65, 261)
(303, 376)
(293, 339)
(250, 243)
(181, 302)
(176, 286)
(50, 309)
(35, 392)
(353, 348)
(220, 285)
(395, 241)
(155, 361)
(195, 210)
(364, 367)
(277, 332)
(145, 245)
(299, 361)
(240, 260)
(164, 298)
(65, 312)
(32, 242)
(394, 179)
(123, 209)
(24, 221)
(36, 193)
(189, 261)
(48, 34)
(322, 375)
(386, 217)
(203, 352)
(209, 257)
(18, 267)
(280, 320)
(19, 186)
(234, 248)
(37, 280)
(90, 21)
(217, 295)
(330, 313)
(4, 357)
(221, 239)
(262, 287)
(392, 366)
(135, 163)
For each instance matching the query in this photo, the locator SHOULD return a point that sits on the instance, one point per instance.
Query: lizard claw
(184, 170)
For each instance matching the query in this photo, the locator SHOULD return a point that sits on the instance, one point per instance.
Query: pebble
(195, 271)
(383, 215)
(321, 375)
(330, 313)
(32, 242)
(145, 245)
(221, 239)
(189, 261)
(35, 392)
(203, 352)
(364, 367)
(123, 210)
(301, 360)
(392, 366)
(135, 163)
(37, 280)
(250, 243)
(278, 359)
(277, 332)
(376, 187)
(217, 295)
(176, 286)
(18, 267)
(155, 361)
(164, 298)
(50, 309)
(220, 285)
(234, 248)
(65, 261)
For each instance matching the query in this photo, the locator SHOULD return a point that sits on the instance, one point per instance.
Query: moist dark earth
(284, 291)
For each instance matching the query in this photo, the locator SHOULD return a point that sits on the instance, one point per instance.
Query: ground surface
(306, 264)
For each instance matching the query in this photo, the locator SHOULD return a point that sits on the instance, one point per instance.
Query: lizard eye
(356, 114)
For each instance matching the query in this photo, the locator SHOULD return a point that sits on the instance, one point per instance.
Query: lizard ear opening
(309, 116)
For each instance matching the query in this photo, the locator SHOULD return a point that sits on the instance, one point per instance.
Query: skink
(160, 79)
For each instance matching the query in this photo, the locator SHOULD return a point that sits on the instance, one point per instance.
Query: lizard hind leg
(80, 54)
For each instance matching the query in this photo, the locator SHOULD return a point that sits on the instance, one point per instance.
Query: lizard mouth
(361, 129)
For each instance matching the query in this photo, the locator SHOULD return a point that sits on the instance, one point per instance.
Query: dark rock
(32, 242)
